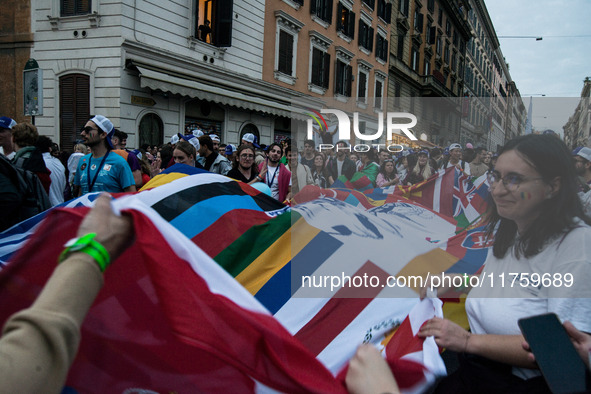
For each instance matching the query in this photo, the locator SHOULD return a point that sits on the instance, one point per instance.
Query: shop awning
(158, 80)
(425, 144)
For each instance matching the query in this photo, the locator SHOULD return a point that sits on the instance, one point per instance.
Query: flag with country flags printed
(271, 251)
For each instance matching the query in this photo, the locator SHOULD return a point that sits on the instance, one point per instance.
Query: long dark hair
(236, 161)
(550, 157)
(383, 170)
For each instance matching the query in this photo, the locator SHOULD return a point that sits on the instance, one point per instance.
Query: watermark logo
(320, 121)
(391, 125)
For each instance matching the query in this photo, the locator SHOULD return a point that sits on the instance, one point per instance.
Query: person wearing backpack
(21, 194)
(28, 157)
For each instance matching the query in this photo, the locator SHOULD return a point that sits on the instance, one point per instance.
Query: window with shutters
(400, 45)
(213, 22)
(385, 10)
(418, 22)
(285, 61)
(414, 59)
(431, 5)
(74, 112)
(427, 66)
(403, 7)
(286, 45)
(320, 69)
(370, 3)
(343, 75)
(381, 47)
(345, 21)
(321, 9)
(379, 93)
(75, 7)
(365, 36)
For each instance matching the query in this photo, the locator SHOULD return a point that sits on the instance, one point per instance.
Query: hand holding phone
(555, 354)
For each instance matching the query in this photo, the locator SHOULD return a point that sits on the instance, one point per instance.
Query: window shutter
(370, 36)
(326, 70)
(338, 72)
(74, 7)
(421, 23)
(351, 25)
(222, 23)
(388, 13)
(74, 97)
(378, 48)
(361, 32)
(289, 53)
(432, 33)
(313, 7)
(340, 25)
(362, 82)
(349, 80)
(285, 52)
(316, 66)
(329, 11)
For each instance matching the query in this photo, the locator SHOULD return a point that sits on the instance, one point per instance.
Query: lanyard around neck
(91, 185)
(272, 179)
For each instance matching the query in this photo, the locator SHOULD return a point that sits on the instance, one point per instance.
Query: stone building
(154, 68)
(577, 131)
(427, 60)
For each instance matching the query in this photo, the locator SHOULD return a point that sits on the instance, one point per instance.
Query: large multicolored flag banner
(151, 305)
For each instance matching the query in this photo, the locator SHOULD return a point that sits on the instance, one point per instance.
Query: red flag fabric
(168, 319)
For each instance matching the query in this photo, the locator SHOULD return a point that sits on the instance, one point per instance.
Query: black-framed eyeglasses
(510, 181)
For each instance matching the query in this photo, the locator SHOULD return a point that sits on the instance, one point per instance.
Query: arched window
(74, 107)
(250, 128)
(151, 130)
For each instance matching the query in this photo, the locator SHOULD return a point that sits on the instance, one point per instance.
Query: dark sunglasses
(88, 129)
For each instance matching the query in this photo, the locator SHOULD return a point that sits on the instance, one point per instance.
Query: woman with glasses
(540, 262)
(387, 176)
(243, 168)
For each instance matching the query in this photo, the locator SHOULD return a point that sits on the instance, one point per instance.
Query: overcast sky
(555, 66)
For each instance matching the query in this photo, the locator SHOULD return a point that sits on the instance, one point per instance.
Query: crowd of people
(537, 222)
(101, 161)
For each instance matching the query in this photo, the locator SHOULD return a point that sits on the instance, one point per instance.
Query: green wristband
(87, 244)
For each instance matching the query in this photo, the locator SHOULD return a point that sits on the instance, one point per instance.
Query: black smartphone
(555, 354)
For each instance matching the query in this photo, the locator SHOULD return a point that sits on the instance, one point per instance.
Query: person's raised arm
(39, 344)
